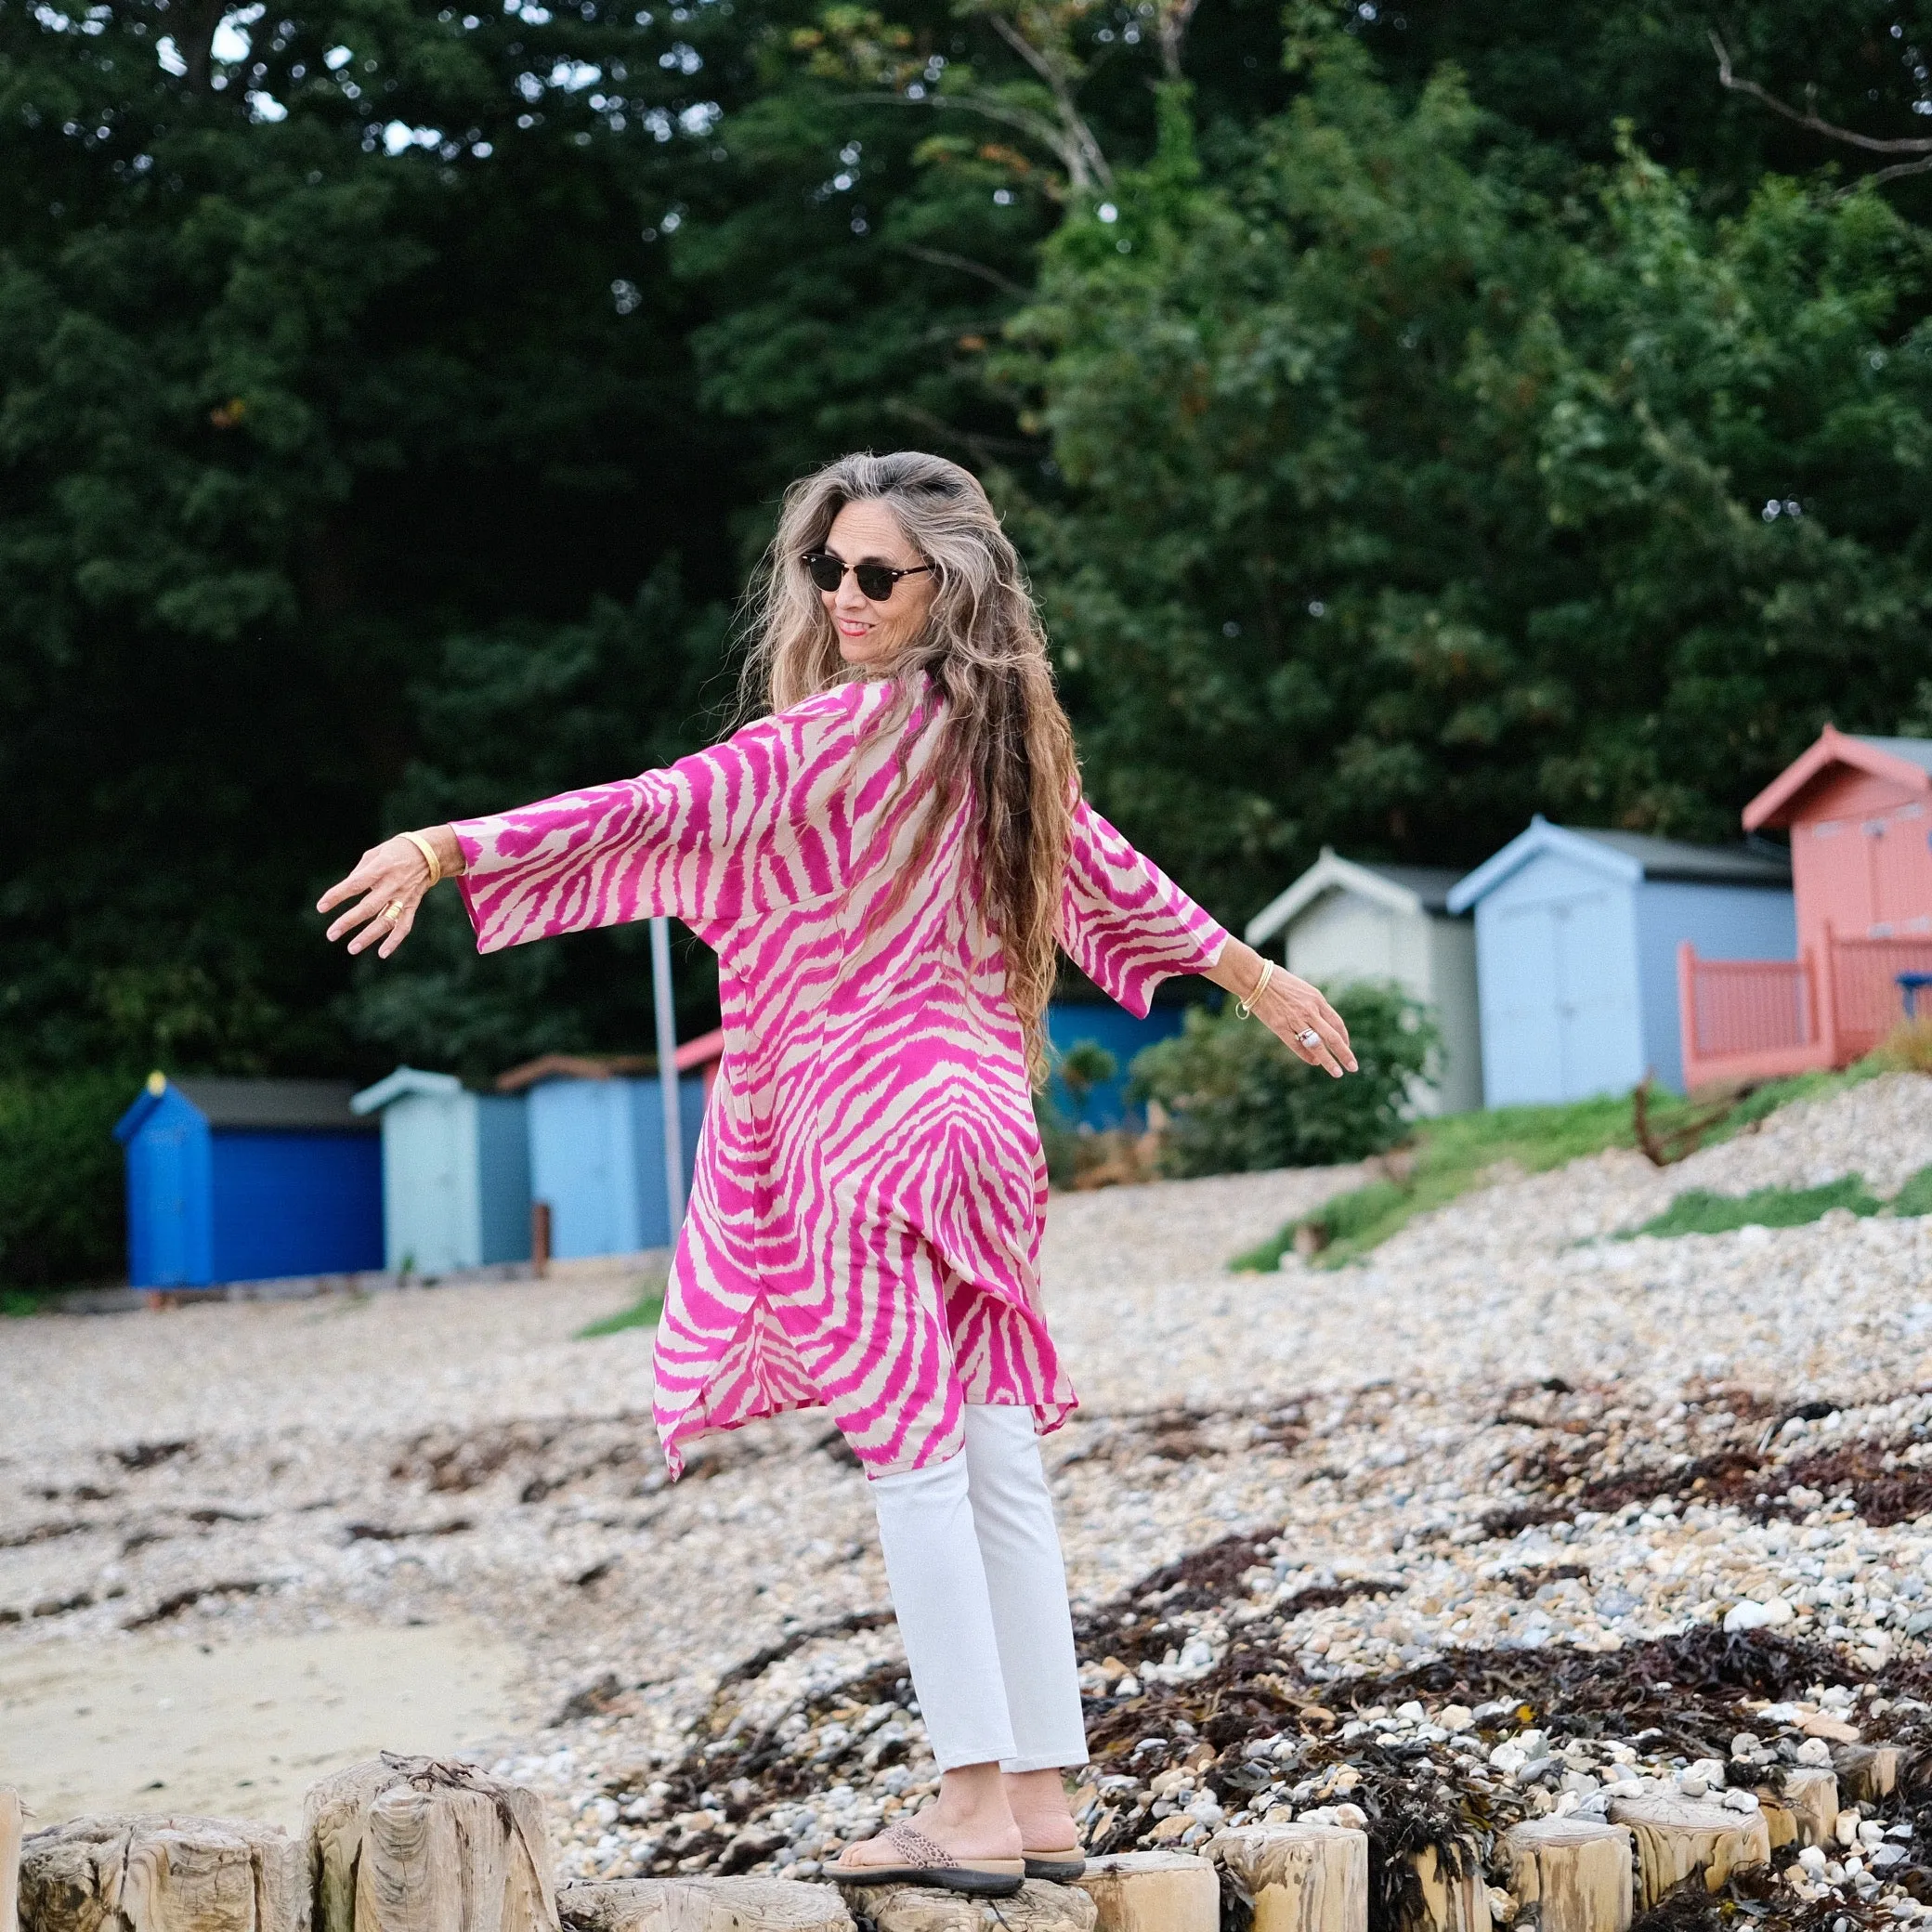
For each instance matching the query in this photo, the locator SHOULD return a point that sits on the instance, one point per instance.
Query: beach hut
(249, 1181)
(456, 1172)
(597, 1144)
(1859, 811)
(1100, 1023)
(1345, 920)
(1577, 937)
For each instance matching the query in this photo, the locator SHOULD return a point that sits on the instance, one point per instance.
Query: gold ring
(392, 912)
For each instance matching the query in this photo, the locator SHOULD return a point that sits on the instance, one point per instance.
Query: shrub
(1240, 1100)
(61, 1212)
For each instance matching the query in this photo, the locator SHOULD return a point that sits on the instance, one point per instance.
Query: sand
(240, 1727)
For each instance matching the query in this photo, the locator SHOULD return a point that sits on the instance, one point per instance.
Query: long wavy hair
(1005, 747)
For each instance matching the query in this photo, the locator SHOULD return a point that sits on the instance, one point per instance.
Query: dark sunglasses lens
(874, 581)
(828, 572)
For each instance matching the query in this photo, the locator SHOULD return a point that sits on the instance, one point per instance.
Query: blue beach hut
(249, 1181)
(1576, 952)
(1072, 1022)
(597, 1148)
(456, 1172)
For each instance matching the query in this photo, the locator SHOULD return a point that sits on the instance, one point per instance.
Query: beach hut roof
(1627, 857)
(280, 1105)
(1403, 889)
(1906, 761)
(700, 1051)
(404, 1082)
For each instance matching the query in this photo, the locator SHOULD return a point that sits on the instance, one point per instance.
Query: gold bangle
(1245, 1008)
(429, 857)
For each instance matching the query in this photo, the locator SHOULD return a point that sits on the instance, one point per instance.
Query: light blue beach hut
(596, 1143)
(1576, 951)
(456, 1172)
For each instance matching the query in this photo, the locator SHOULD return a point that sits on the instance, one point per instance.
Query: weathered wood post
(1035, 1907)
(416, 1844)
(1153, 1891)
(163, 1874)
(1451, 1898)
(1301, 1877)
(11, 1832)
(702, 1905)
(1575, 1873)
(1678, 1836)
(1812, 1794)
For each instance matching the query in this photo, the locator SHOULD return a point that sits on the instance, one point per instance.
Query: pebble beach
(1518, 1449)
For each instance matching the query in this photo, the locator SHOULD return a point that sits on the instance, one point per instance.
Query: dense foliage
(1239, 1101)
(1413, 414)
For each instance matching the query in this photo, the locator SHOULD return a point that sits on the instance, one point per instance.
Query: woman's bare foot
(1038, 1802)
(968, 1819)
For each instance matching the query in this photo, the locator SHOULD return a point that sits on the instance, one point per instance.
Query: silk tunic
(865, 1219)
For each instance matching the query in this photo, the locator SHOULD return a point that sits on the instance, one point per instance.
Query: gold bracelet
(1245, 1008)
(429, 857)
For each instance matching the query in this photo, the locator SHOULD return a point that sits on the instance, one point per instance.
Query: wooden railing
(1747, 1020)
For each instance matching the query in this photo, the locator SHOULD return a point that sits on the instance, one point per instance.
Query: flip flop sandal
(933, 1866)
(1055, 1867)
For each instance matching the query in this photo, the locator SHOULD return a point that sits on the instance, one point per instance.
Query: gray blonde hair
(1005, 745)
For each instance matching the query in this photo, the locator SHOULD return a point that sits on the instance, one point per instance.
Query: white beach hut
(1342, 920)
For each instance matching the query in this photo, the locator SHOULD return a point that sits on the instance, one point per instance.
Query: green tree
(1400, 502)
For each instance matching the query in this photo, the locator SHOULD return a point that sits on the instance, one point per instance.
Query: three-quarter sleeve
(1123, 921)
(745, 829)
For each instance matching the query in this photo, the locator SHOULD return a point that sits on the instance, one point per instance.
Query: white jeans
(977, 1581)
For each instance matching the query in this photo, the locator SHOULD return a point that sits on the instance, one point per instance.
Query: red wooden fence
(1745, 1020)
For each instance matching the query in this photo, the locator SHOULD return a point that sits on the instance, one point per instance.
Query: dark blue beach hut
(249, 1181)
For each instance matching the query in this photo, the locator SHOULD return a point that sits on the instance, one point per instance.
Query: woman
(886, 864)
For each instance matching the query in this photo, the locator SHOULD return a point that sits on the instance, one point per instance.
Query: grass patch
(1915, 1196)
(1448, 1157)
(643, 1313)
(1698, 1212)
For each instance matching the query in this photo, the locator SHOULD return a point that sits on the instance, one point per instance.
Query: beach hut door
(162, 1150)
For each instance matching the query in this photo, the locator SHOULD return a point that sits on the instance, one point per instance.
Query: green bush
(1240, 1100)
(61, 1201)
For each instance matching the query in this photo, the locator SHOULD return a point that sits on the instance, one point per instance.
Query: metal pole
(667, 1073)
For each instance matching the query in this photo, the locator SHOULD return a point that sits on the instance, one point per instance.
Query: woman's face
(868, 633)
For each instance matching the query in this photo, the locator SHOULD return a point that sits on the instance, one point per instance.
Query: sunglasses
(875, 580)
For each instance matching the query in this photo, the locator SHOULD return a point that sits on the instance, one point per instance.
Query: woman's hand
(1291, 1009)
(391, 879)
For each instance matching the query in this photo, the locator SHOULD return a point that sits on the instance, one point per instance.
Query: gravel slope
(1480, 1424)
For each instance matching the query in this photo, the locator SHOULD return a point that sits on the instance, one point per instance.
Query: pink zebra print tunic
(863, 1225)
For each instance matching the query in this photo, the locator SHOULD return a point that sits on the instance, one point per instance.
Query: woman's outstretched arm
(392, 876)
(1291, 1009)
(748, 827)
(1128, 926)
